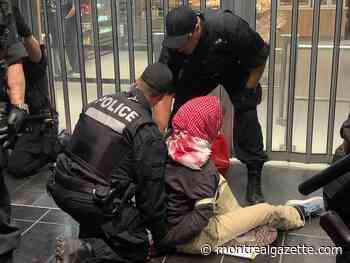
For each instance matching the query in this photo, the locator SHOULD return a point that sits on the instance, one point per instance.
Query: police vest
(104, 134)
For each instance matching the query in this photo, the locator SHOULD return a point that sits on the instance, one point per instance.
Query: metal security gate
(106, 44)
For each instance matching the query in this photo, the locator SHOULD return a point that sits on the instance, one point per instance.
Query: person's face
(192, 42)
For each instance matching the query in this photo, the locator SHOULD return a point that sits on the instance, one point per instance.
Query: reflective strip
(106, 120)
(205, 201)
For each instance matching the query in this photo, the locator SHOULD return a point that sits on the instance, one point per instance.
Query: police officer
(33, 145)
(11, 74)
(116, 153)
(217, 47)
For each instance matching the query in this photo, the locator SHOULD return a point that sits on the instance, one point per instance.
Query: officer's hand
(16, 119)
(22, 27)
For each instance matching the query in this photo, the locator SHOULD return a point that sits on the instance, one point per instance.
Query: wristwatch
(23, 106)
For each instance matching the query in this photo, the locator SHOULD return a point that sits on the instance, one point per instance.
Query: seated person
(110, 177)
(201, 207)
(34, 144)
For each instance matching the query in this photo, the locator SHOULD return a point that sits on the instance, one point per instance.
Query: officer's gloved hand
(22, 27)
(16, 118)
(3, 122)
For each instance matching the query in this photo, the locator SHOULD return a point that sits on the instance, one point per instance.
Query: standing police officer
(110, 177)
(11, 75)
(33, 144)
(217, 47)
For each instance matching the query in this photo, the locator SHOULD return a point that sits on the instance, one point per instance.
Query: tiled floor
(41, 221)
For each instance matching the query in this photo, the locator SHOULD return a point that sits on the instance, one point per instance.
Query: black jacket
(184, 188)
(228, 50)
(139, 156)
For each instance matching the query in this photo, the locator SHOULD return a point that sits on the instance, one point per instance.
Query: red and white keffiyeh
(195, 126)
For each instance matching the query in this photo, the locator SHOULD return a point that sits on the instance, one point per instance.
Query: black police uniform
(227, 51)
(35, 145)
(116, 151)
(12, 51)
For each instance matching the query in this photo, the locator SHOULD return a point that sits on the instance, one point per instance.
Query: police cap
(159, 77)
(180, 23)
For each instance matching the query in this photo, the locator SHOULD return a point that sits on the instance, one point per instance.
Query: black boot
(254, 192)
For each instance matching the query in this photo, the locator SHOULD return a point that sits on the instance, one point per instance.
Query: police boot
(254, 192)
(72, 250)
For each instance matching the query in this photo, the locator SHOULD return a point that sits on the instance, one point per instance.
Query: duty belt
(102, 195)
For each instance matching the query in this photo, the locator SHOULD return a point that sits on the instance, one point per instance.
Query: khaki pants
(231, 220)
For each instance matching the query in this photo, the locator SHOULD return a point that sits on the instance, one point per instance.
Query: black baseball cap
(159, 77)
(180, 22)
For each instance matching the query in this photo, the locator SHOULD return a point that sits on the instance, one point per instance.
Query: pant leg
(9, 235)
(226, 200)
(223, 228)
(248, 139)
(114, 239)
(28, 155)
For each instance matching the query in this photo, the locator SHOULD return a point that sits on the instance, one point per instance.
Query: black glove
(16, 118)
(22, 27)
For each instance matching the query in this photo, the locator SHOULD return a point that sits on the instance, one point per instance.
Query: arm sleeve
(194, 222)
(151, 155)
(35, 71)
(251, 49)
(15, 49)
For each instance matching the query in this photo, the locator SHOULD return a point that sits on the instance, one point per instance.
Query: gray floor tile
(260, 258)
(27, 213)
(312, 228)
(38, 244)
(292, 241)
(23, 226)
(45, 201)
(58, 216)
(26, 197)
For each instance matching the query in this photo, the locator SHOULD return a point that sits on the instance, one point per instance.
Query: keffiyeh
(195, 126)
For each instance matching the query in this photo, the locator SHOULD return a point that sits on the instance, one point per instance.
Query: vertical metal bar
(115, 45)
(334, 77)
(203, 4)
(63, 66)
(81, 52)
(185, 2)
(49, 55)
(165, 12)
(253, 12)
(131, 39)
(271, 76)
(292, 74)
(313, 75)
(96, 36)
(149, 31)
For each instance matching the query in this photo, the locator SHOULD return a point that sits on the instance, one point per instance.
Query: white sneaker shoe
(312, 206)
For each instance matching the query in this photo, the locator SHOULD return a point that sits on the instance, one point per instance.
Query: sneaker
(310, 207)
(72, 250)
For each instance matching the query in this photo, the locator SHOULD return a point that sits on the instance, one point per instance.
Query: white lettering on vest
(118, 107)
(106, 102)
(110, 107)
(124, 111)
(132, 116)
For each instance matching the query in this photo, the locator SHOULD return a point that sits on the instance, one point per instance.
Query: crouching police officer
(33, 140)
(217, 47)
(110, 177)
